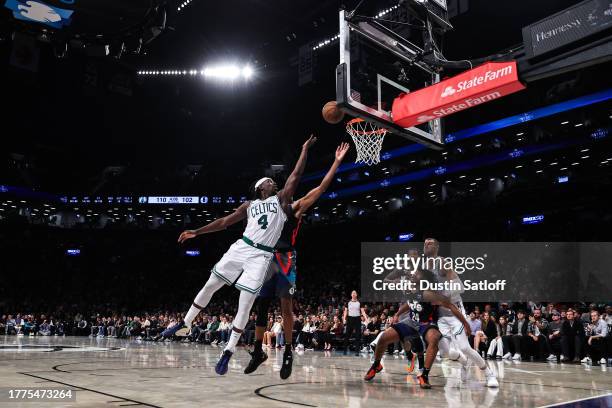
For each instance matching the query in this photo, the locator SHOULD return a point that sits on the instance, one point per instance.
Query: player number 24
(263, 221)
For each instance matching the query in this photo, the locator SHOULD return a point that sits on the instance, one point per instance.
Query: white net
(368, 138)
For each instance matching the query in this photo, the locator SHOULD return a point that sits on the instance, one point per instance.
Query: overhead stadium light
(229, 72)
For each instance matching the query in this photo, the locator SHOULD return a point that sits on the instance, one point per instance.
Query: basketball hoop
(368, 138)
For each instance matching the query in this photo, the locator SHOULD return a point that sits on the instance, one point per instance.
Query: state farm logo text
(477, 81)
(467, 103)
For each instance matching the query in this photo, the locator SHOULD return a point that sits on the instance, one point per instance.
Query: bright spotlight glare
(229, 72)
(247, 72)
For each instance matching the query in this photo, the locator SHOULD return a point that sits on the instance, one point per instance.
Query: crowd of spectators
(576, 333)
(564, 333)
(133, 284)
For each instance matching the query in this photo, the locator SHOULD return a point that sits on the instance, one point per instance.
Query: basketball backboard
(376, 66)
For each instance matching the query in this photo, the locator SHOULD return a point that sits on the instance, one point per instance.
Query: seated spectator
(554, 334)
(336, 331)
(249, 330)
(30, 326)
(95, 327)
(305, 335)
(210, 335)
(151, 330)
(80, 329)
(44, 329)
(224, 330)
(572, 337)
(322, 331)
(597, 331)
(136, 329)
(18, 324)
(537, 339)
(495, 343)
(11, 325)
(268, 333)
(120, 325)
(475, 326)
(198, 329)
(298, 323)
(280, 333)
(487, 332)
(371, 331)
(519, 334)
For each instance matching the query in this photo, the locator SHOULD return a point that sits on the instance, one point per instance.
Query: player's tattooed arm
(303, 204)
(443, 301)
(286, 194)
(218, 224)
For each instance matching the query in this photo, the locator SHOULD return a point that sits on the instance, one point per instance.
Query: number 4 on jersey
(263, 221)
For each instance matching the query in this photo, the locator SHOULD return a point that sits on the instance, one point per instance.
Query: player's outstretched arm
(218, 224)
(288, 190)
(304, 203)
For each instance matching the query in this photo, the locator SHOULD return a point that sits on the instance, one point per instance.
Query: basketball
(331, 113)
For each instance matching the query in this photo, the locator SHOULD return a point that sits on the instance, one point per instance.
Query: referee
(352, 321)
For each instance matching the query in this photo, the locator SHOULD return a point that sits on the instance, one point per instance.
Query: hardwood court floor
(113, 373)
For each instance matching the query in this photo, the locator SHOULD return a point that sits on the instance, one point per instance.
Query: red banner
(482, 84)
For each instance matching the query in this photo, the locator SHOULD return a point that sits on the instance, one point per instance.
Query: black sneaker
(256, 360)
(285, 371)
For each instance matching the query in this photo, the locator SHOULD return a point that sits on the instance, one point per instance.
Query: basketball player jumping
(282, 273)
(245, 263)
(416, 336)
(454, 343)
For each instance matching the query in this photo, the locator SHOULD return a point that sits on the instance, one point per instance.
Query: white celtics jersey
(453, 295)
(265, 221)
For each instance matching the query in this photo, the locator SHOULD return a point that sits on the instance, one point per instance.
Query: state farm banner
(471, 88)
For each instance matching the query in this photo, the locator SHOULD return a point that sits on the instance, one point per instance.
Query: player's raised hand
(311, 140)
(341, 151)
(185, 235)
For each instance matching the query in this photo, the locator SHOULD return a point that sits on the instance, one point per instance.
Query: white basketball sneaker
(491, 379)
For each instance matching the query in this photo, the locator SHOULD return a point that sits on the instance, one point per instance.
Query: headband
(260, 181)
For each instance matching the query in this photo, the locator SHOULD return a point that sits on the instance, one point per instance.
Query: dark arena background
(129, 124)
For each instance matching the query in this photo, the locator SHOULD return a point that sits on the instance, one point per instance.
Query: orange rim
(353, 130)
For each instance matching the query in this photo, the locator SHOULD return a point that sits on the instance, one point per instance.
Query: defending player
(245, 263)
(454, 342)
(282, 274)
(416, 336)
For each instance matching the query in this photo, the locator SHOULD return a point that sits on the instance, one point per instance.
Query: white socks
(203, 297)
(244, 308)
(233, 340)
